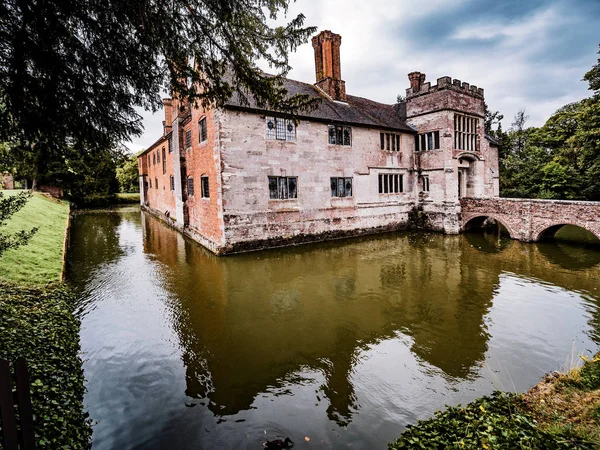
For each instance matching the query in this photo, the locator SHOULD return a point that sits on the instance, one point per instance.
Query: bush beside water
(561, 412)
(39, 325)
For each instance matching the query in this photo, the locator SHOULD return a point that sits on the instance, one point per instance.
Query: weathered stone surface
(527, 220)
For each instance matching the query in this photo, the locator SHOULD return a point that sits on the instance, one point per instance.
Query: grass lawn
(40, 261)
(131, 197)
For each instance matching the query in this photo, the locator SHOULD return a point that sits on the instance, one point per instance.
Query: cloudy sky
(528, 54)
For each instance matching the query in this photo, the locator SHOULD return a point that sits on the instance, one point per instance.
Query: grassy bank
(133, 197)
(37, 322)
(40, 261)
(561, 412)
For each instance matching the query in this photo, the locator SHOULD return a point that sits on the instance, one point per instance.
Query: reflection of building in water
(248, 322)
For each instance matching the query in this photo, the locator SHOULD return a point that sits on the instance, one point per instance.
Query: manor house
(238, 178)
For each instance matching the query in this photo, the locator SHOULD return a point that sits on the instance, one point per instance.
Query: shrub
(495, 422)
(38, 324)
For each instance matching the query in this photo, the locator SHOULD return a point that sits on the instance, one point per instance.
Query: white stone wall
(248, 158)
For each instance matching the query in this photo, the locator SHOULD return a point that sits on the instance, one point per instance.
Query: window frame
(425, 186)
(390, 142)
(280, 130)
(172, 182)
(204, 190)
(335, 133)
(190, 186)
(428, 141)
(282, 185)
(466, 133)
(188, 139)
(202, 130)
(164, 161)
(390, 183)
(336, 187)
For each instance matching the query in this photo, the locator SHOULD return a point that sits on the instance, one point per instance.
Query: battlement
(418, 86)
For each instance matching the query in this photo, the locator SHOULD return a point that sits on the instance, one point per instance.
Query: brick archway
(470, 217)
(539, 233)
(527, 220)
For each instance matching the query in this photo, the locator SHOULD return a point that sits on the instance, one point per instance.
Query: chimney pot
(416, 81)
(327, 64)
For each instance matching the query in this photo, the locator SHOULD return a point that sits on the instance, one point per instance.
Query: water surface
(344, 343)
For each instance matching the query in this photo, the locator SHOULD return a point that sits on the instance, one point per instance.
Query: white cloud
(377, 55)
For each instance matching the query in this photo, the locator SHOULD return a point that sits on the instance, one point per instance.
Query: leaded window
(172, 182)
(202, 129)
(466, 135)
(171, 144)
(340, 135)
(280, 128)
(204, 187)
(281, 188)
(188, 139)
(390, 183)
(190, 186)
(341, 187)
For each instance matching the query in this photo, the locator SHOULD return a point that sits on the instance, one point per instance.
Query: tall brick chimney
(327, 64)
(168, 122)
(416, 81)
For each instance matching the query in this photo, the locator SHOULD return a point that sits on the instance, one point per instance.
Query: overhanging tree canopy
(73, 71)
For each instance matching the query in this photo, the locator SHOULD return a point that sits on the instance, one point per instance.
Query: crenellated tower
(454, 158)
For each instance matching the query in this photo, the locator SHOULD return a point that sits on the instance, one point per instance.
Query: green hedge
(495, 422)
(39, 325)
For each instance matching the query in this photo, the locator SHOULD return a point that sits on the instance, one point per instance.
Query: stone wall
(526, 219)
(248, 159)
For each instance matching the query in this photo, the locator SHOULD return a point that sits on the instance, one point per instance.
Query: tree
(72, 72)
(127, 175)
(8, 207)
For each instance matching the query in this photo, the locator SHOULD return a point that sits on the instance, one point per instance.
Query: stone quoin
(238, 178)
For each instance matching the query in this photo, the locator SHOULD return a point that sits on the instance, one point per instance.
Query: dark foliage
(8, 207)
(72, 72)
(39, 325)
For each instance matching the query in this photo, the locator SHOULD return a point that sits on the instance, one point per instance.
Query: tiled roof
(357, 111)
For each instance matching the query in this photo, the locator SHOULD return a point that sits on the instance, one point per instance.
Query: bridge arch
(547, 232)
(470, 221)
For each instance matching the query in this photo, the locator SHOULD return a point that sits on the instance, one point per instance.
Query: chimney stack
(168, 122)
(416, 81)
(327, 64)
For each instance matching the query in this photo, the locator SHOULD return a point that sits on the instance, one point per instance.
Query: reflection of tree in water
(248, 323)
(568, 256)
(94, 240)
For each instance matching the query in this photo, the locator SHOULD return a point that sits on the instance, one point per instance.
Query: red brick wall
(161, 198)
(203, 160)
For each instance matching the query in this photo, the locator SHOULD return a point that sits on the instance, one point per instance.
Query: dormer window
(280, 128)
(340, 135)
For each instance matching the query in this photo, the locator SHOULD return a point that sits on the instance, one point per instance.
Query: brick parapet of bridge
(527, 219)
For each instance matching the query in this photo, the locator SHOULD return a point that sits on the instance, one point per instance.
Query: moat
(344, 343)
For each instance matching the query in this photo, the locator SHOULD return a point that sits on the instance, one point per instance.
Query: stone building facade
(239, 178)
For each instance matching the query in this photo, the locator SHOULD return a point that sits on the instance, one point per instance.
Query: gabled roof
(357, 111)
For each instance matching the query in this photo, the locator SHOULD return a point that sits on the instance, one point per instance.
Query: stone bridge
(532, 220)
